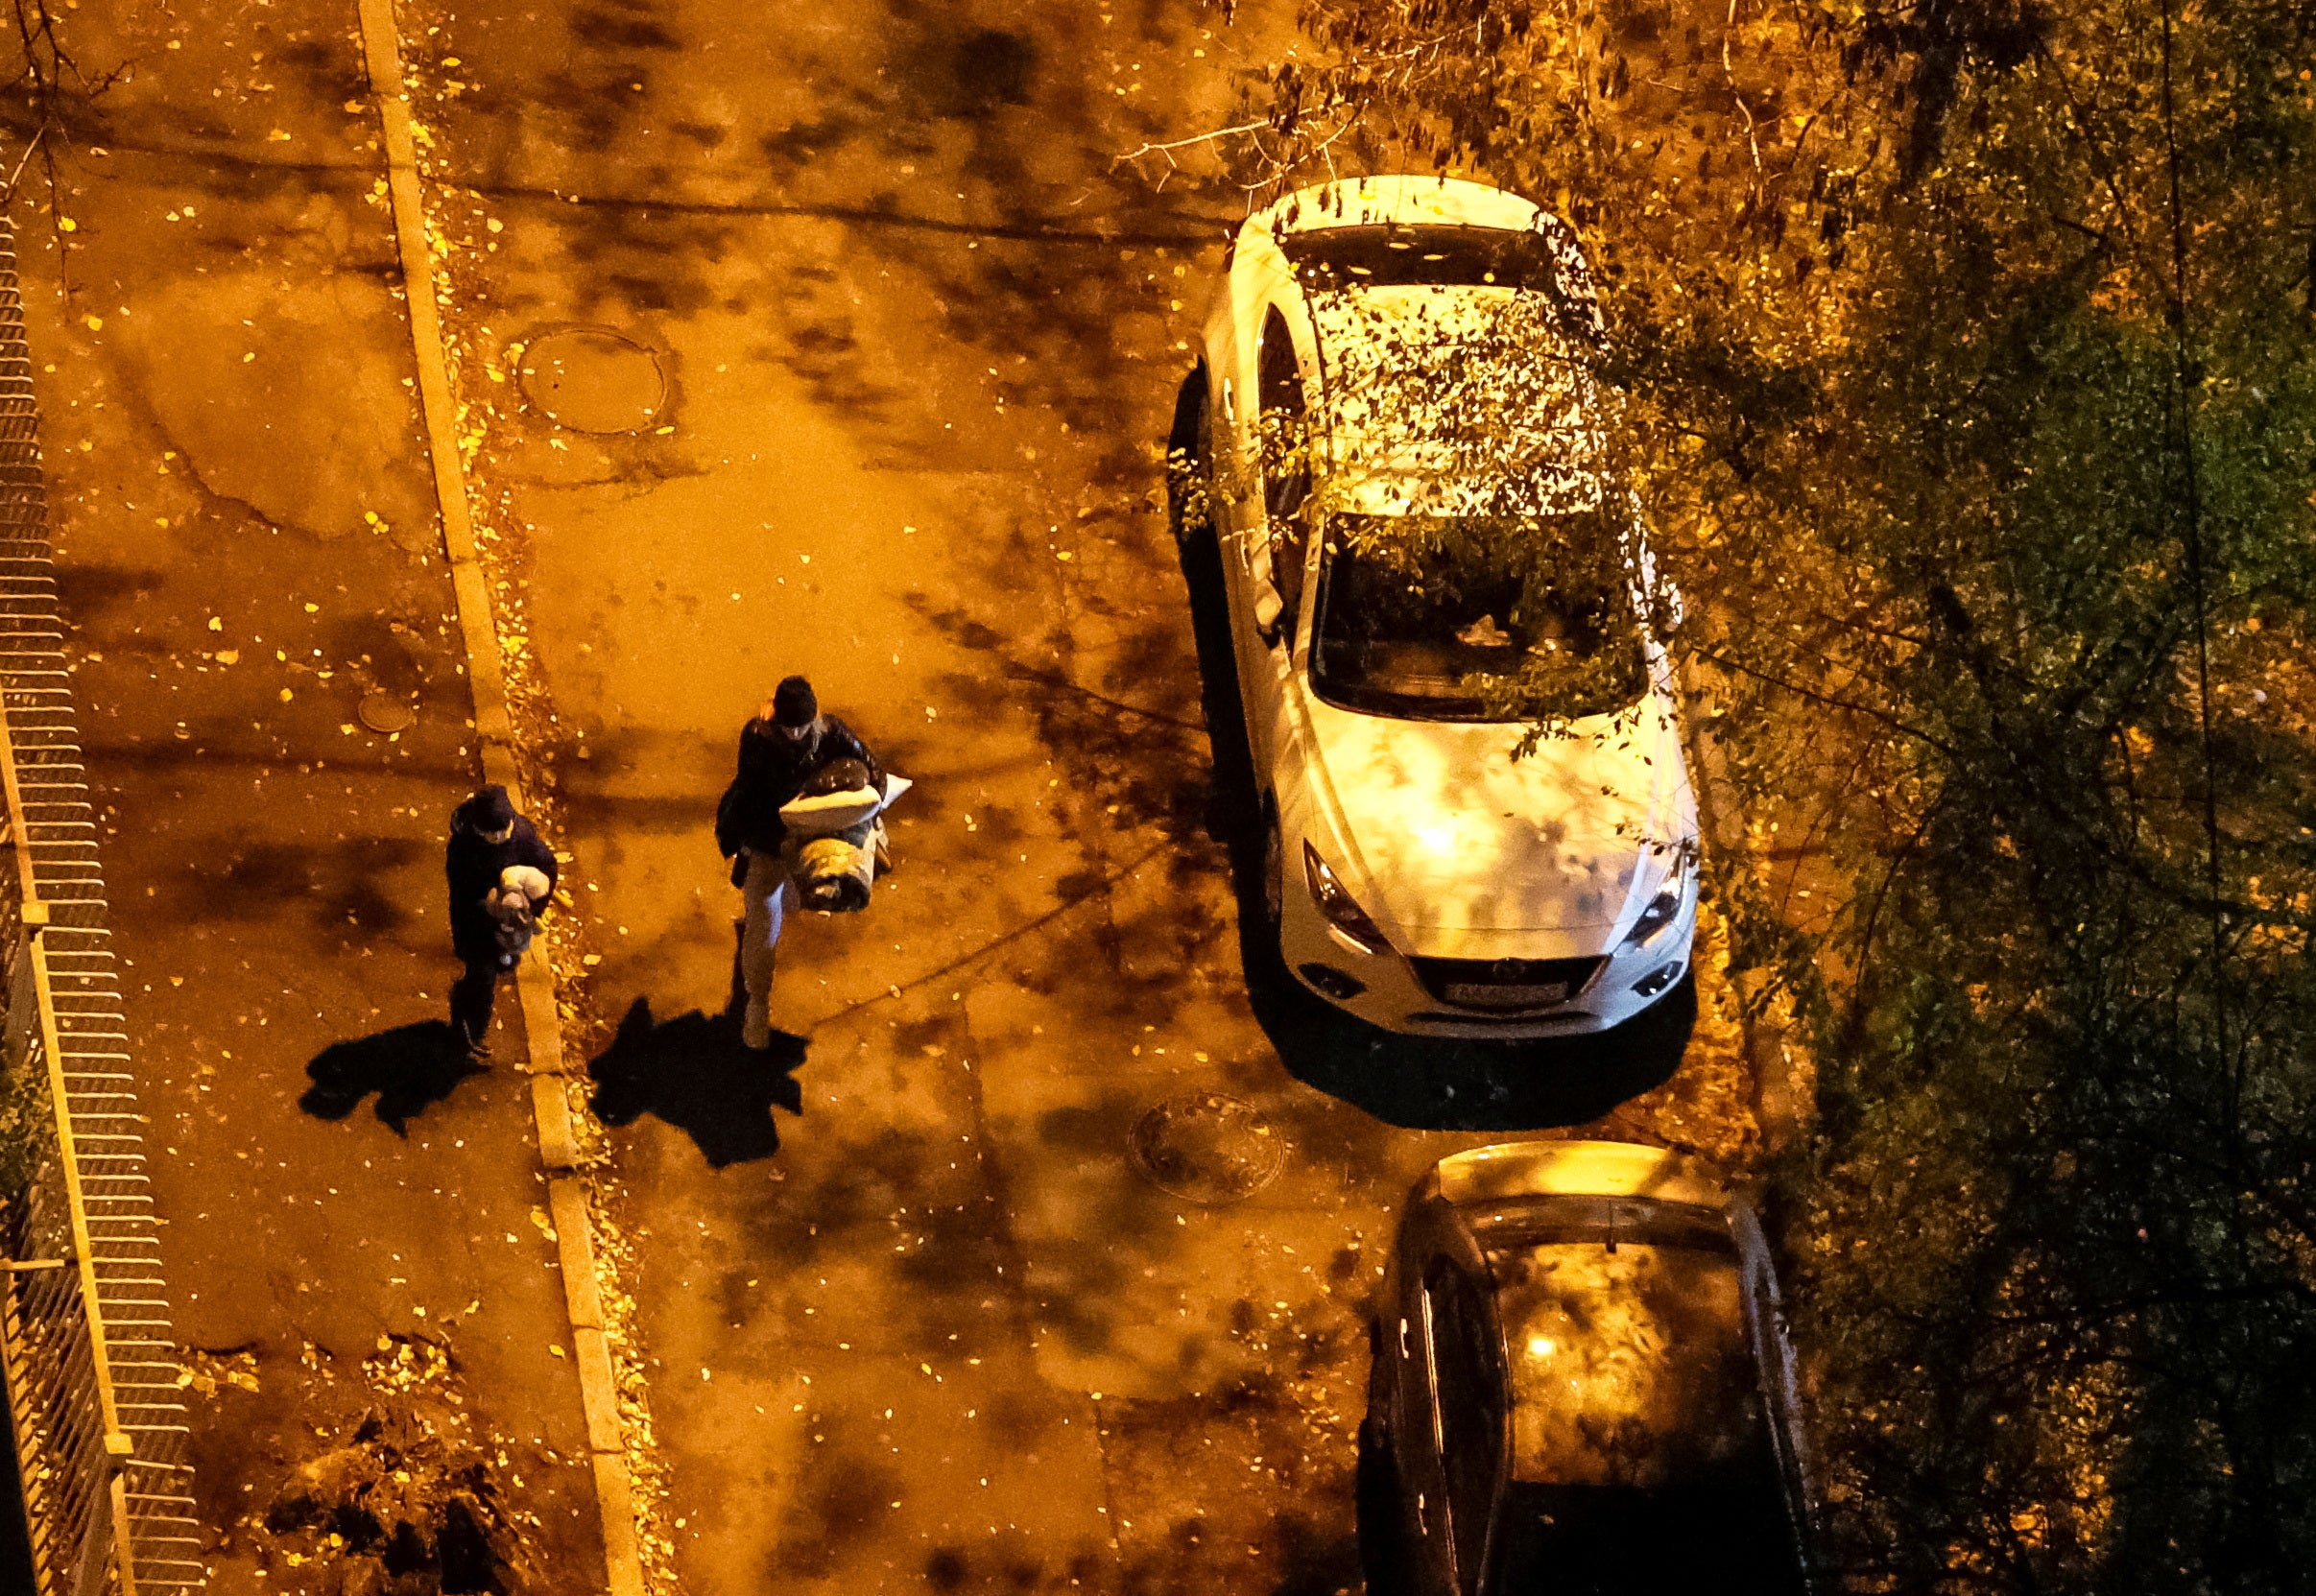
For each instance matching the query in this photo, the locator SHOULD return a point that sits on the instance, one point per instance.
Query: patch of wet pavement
(939, 1325)
(918, 461)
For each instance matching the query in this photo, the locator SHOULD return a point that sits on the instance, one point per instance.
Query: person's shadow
(694, 1072)
(411, 1067)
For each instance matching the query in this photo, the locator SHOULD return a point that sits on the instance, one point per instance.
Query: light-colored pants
(768, 895)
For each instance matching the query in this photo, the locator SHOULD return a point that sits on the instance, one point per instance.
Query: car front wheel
(1382, 1537)
(1188, 508)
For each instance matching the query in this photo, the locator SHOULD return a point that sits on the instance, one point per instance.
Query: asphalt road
(863, 338)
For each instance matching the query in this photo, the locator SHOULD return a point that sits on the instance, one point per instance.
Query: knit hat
(491, 809)
(793, 703)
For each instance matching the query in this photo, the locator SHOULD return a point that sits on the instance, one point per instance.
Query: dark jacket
(773, 770)
(473, 863)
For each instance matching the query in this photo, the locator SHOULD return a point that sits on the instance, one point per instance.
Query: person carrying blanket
(788, 744)
(836, 835)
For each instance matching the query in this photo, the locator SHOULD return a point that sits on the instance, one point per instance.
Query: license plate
(1474, 994)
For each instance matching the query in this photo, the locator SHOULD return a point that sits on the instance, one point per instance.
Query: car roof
(1353, 201)
(1403, 435)
(1511, 1170)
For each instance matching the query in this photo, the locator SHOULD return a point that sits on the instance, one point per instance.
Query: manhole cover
(1207, 1147)
(384, 712)
(592, 379)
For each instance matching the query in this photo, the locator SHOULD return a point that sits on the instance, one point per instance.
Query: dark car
(1581, 1384)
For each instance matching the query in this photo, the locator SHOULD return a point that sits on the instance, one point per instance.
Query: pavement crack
(1109, 880)
(869, 216)
(1065, 684)
(1194, 232)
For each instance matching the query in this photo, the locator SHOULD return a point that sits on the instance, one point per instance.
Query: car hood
(1445, 831)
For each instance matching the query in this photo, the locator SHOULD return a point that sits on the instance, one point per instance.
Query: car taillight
(1336, 903)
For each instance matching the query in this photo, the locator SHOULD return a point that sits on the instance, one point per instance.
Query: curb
(494, 727)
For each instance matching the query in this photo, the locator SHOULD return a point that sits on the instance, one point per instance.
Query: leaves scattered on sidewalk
(410, 1497)
(203, 1372)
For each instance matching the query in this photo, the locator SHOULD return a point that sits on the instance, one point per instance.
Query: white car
(1395, 436)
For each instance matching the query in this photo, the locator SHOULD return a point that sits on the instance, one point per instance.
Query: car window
(1277, 374)
(1452, 617)
(1723, 1532)
(1401, 254)
(1438, 255)
(1290, 559)
(1629, 1362)
(1641, 1463)
(1468, 1389)
(1285, 444)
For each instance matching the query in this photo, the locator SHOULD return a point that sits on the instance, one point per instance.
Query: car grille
(1507, 984)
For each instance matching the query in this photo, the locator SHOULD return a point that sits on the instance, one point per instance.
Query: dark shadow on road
(1416, 1084)
(411, 1067)
(1424, 1084)
(693, 1073)
(1315, 1559)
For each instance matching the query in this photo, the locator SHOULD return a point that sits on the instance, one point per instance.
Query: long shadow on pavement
(1421, 1083)
(411, 1067)
(695, 1074)
(1416, 1084)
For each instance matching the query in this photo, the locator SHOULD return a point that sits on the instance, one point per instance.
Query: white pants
(769, 897)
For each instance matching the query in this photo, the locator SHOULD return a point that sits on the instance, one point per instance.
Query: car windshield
(1625, 1331)
(1476, 618)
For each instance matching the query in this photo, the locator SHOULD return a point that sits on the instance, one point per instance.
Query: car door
(1417, 1440)
(1468, 1393)
(1774, 1367)
(1450, 1430)
(1276, 547)
(1258, 276)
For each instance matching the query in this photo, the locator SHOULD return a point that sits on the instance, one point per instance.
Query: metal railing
(94, 1389)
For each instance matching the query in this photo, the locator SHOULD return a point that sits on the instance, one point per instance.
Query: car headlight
(1336, 903)
(1666, 907)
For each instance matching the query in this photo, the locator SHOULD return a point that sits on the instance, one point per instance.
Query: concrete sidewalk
(357, 1236)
